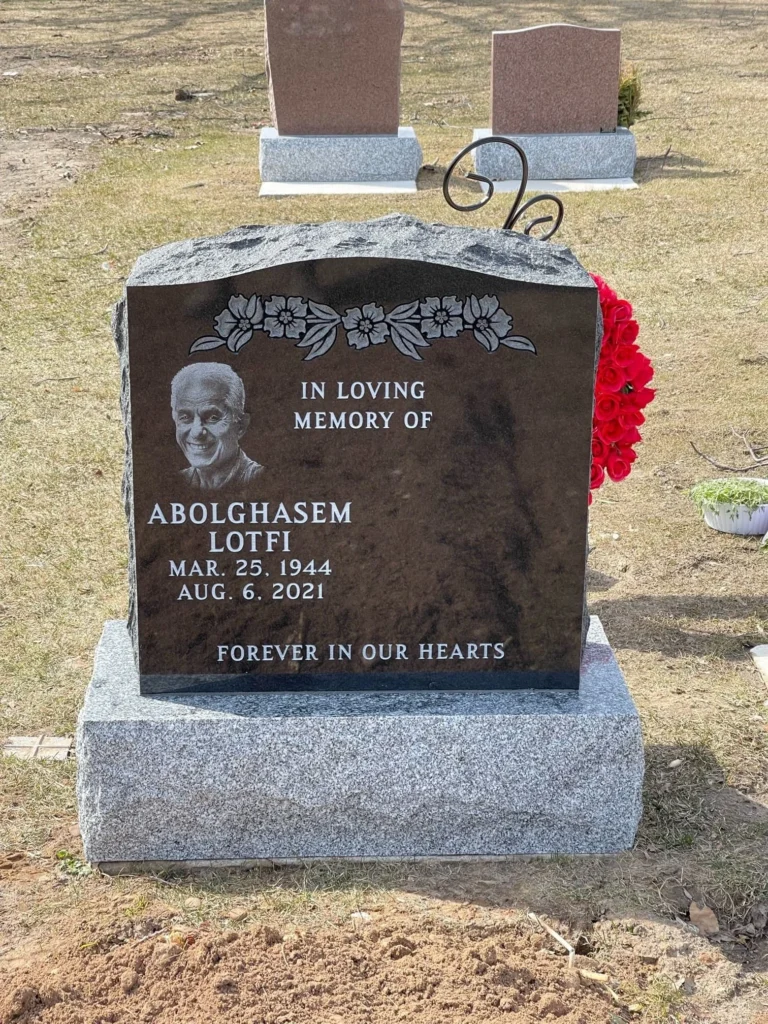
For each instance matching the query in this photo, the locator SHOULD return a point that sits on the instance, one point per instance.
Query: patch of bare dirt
(35, 164)
(383, 968)
(377, 973)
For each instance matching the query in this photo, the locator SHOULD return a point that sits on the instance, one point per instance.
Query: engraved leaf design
(518, 341)
(406, 338)
(318, 332)
(321, 312)
(408, 311)
(236, 344)
(488, 340)
(321, 337)
(208, 342)
(315, 333)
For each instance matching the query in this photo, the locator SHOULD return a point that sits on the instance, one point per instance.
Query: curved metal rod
(517, 210)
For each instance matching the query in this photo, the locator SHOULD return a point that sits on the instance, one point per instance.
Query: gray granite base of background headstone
(339, 158)
(580, 155)
(227, 777)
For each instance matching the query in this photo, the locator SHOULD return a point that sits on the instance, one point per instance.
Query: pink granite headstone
(555, 78)
(334, 66)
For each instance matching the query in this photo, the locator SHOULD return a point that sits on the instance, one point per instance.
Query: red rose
(610, 431)
(608, 320)
(617, 466)
(599, 450)
(616, 316)
(630, 417)
(611, 336)
(639, 371)
(622, 311)
(610, 377)
(628, 331)
(607, 406)
(627, 453)
(621, 391)
(639, 399)
(631, 435)
(624, 355)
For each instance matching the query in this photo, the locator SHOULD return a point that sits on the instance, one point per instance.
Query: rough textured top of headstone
(555, 78)
(334, 66)
(505, 254)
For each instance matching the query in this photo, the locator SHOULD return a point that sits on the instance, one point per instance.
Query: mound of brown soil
(438, 975)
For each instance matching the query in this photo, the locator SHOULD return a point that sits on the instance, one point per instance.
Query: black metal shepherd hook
(517, 210)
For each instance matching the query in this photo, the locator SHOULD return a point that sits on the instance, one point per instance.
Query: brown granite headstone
(555, 78)
(359, 458)
(334, 66)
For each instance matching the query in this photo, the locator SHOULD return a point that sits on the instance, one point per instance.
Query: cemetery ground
(100, 161)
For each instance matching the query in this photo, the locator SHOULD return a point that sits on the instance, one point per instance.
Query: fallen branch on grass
(757, 460)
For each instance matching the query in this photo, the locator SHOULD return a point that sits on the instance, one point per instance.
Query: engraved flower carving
(441, 318)
(365, 326)
(488, 322)
(410, 327)
(239, 320)
(285, 317)
(234, 325)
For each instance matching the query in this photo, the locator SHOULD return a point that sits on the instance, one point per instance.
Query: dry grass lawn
(99, 162)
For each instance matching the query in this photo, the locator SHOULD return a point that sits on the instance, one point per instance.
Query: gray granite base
(339, 158)
(581, 155)
(250, 777)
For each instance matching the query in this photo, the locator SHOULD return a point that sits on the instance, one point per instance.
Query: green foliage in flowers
(744, 490)
(629, 96)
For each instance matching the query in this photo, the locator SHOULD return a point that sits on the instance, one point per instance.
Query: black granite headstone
(358, 458)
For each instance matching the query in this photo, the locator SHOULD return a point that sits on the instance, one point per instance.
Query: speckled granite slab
(577, 155)
(323, 158)
(203, 777)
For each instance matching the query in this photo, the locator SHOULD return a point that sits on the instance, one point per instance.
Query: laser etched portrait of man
(208, 408)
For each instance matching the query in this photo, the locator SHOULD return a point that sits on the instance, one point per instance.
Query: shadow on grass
(674, 165)
(597, 581)
(652, 624)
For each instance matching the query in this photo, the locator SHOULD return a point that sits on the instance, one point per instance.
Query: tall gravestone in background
(554, 90)
(357, 486)
(334, 88)
(555, 78)
(334, 67)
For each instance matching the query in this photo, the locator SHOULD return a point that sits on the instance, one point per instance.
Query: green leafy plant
(629, 96)
(745, 491)
(70, 864)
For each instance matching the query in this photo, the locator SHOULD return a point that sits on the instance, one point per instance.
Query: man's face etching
(207, 430)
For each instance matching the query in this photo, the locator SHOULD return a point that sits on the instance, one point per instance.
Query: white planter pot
(737, 519)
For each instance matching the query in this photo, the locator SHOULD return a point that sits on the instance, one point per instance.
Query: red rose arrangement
(621, 390)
